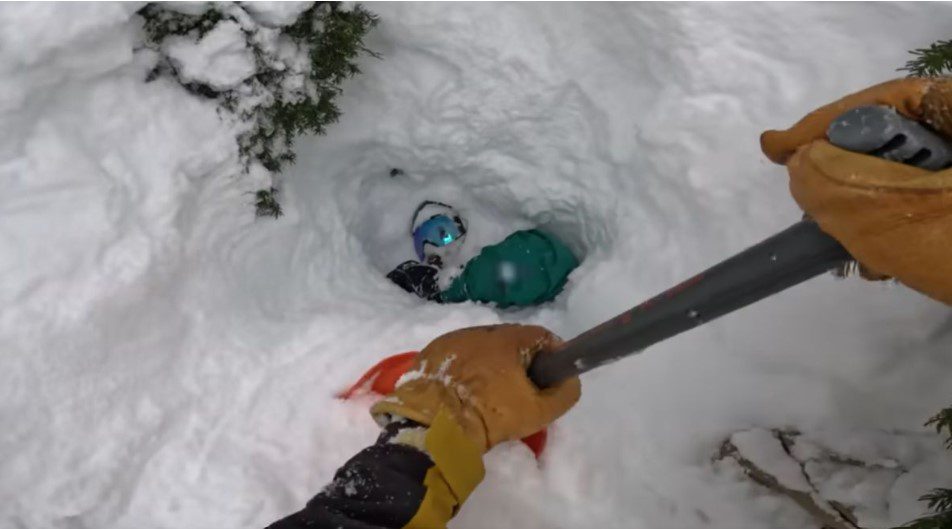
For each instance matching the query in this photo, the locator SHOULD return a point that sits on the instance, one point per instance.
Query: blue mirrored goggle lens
(438, 231)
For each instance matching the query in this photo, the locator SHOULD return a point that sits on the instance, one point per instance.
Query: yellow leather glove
(895, 219)
(478, 376)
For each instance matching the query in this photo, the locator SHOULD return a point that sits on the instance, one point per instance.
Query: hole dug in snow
(490, 213)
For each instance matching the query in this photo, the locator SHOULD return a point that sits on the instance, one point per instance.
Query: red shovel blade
(536, 442)
(382, 379)
(383, 376)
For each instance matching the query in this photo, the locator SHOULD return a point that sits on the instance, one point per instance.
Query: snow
(860, 470)
(168, 361)
(220, 59)
(276, 14)
(411, 375)
(440, 374)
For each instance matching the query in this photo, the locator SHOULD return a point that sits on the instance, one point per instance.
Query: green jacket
(529, 267)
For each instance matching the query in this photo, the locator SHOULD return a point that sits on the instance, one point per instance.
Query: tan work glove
(478, 376)
(895, 219)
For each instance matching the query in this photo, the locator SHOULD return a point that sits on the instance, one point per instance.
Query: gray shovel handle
(791, 257)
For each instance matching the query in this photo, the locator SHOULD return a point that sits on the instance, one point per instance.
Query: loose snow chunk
(221, 59)
(276, 14)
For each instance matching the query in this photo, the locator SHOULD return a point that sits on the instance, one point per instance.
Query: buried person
(527, 268)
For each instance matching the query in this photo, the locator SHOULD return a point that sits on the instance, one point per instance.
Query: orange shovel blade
(382, 378)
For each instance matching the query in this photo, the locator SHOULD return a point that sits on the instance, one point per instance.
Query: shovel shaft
(792, 256)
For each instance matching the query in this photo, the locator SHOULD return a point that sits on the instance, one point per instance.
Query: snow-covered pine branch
(275, 69)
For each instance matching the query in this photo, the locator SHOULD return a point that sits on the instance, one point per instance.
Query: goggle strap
(424, 204)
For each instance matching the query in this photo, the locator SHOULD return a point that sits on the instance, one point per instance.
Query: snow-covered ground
(168, 361)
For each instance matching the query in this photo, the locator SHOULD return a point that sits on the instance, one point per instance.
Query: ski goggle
(439, 230)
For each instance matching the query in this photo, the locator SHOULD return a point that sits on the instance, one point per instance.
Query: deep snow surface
(168, 361)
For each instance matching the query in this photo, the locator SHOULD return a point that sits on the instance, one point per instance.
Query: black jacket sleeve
(379, 488)
(417, 278)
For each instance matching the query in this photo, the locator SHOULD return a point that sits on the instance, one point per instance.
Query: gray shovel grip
(883, 132)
